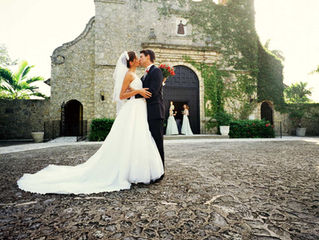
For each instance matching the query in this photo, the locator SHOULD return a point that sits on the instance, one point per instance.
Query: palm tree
(17, 85)
(297, 93)
(316, 70)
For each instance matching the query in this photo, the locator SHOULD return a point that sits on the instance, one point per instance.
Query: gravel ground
(219, 190)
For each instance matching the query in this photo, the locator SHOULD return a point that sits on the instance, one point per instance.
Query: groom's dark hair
(149, 52)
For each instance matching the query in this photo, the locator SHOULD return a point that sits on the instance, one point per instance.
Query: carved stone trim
(104, 66)
(177, 47)
(57, 57)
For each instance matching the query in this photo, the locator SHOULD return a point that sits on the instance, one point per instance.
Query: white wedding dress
(186, 127)
(171, 123)
(127, 155)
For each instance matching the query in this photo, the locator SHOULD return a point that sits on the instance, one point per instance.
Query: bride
(127, 155)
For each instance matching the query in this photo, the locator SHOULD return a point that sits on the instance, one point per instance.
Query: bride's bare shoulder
(130, 75)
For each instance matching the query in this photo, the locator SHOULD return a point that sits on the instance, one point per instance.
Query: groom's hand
(145, 93)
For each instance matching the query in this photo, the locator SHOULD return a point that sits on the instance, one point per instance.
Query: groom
(152, 80)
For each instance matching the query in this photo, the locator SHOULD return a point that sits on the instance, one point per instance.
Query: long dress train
(171, 127)
(186, 127)
(127, 155)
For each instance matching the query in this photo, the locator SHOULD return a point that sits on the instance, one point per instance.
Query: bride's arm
(125, 86)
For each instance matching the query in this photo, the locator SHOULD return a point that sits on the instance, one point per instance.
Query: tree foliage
(297, 93)
(270, 77)
(5, 59)
(229, 29)
(17, 85)
(215, 91)
(316, 70)
(278, 53)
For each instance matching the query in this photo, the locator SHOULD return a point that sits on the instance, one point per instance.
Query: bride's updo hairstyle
(131, 57)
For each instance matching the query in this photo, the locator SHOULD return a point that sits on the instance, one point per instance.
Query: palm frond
(4, 95)
(32, 88)
(23, 95)
(26, 86)
(21, 69)
(26, 71)
(17, 84)
(6, 75)
(38, 94)
(6, 88)
(3, 88)
(34, 79)
(315, 71)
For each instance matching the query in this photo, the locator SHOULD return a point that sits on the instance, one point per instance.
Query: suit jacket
(155, 105)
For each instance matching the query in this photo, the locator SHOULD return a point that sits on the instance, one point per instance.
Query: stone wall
(72, 73)
(283, 124)
(18, 118)
(116, 32)
(173, 56)
(104, 84)
(82, 69)
(310, 121)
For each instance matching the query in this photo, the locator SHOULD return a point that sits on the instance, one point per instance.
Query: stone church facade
(81, 78)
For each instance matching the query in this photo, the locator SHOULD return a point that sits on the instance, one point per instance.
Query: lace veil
(118, 76)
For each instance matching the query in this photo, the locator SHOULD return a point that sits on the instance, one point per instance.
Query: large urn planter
(300, 132)
(224, 130)
(37, 136)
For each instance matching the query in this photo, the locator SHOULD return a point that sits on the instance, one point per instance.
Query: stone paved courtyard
(212, 190)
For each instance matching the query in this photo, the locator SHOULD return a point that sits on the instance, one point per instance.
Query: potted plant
(296, 95)
(37, 135)
(223, 120)
(296, 114)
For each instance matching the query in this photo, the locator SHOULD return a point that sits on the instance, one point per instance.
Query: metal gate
(183, 88)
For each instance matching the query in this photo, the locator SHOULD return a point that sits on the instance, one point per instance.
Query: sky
(292, 26)
(32, 29)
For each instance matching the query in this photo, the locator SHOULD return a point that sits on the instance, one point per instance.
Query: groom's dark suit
(155, 107)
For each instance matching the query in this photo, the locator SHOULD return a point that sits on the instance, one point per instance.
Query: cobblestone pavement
(212, 190)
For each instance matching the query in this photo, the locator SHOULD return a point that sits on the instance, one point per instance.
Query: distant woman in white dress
(127, 155)
(186, 127)
(171, 123)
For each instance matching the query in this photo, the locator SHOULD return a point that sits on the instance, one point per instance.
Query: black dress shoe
(159, 179)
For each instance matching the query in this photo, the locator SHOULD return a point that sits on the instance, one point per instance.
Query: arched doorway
(267, 112)
(183, 88)
(71, 118)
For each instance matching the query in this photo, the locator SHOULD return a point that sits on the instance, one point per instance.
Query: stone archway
(183, 88)
(71, 118)
(266, 112)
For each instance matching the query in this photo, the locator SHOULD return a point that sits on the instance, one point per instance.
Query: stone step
(64, 139)
(195, 136)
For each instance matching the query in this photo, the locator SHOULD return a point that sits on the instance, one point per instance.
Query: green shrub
(220, 118)
(100, 128)
(251, 129)
(223, 118)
